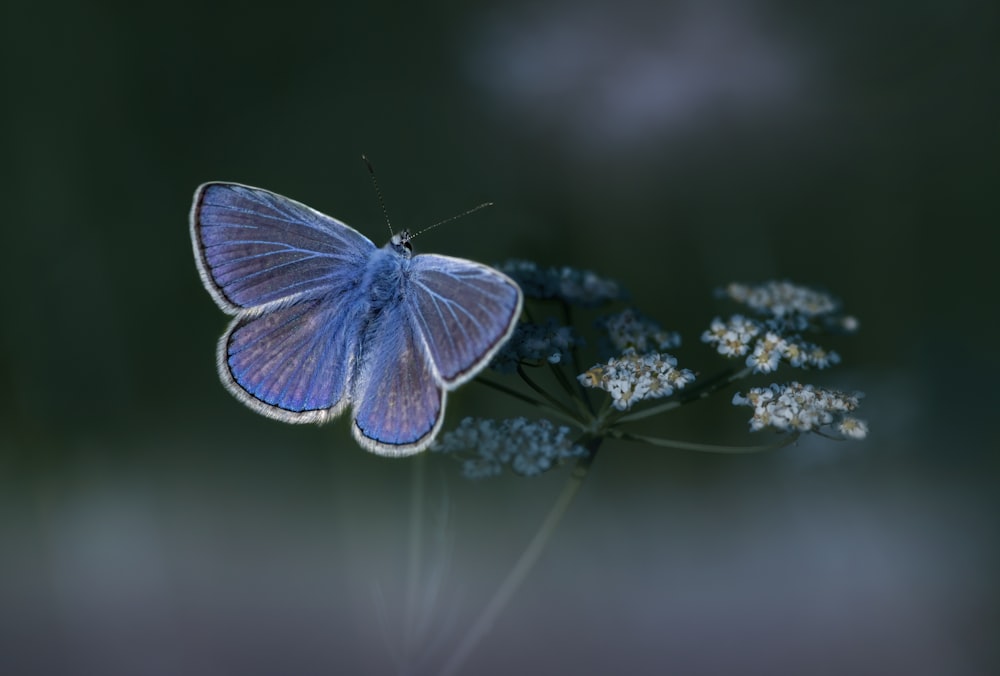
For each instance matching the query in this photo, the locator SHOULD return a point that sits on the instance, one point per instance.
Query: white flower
(767, 353)
(853, 428)
(803, 408)
(731, 338)
(631, 378)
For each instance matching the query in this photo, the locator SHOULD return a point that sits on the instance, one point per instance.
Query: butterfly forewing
(465, 312)
(255, 248)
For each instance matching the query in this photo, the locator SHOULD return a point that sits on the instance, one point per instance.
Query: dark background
(150, 524)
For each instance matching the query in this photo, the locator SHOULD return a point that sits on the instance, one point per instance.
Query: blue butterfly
(325, 319)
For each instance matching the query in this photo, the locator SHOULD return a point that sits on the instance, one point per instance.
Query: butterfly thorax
(387, 274)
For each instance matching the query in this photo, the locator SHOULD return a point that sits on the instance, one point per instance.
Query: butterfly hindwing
(292, 363)
(398, 402)
(255, 248)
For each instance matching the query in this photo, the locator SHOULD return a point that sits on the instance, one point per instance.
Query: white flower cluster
(529, 447)
(739, 336)
(791, 308)
(576, 287)
(631, 329)
(534, 343)
(782, 298)
(632, 378)
(803, 408)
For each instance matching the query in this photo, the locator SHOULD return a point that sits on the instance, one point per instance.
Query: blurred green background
(150, 524)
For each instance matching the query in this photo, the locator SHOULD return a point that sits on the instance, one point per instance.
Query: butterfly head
(400, 243)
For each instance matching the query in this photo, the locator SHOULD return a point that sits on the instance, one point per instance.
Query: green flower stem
(510, 392)
(548, 397)
(575, 395)
(574, 355)
(567, 312)
(529, 557)
(604, 419)
(651, 411)
(561, 412)
(704, 448)
(564, 382)
(714, 384)
(414, 568)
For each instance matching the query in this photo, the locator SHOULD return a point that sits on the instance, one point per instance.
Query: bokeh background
(150, 524)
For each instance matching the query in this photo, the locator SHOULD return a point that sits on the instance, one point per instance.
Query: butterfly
(323, 319)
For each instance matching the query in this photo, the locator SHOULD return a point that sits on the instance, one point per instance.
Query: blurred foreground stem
(529, 557)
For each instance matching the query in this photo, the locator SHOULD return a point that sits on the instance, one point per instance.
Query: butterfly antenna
(381, 202)
(453, 218)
